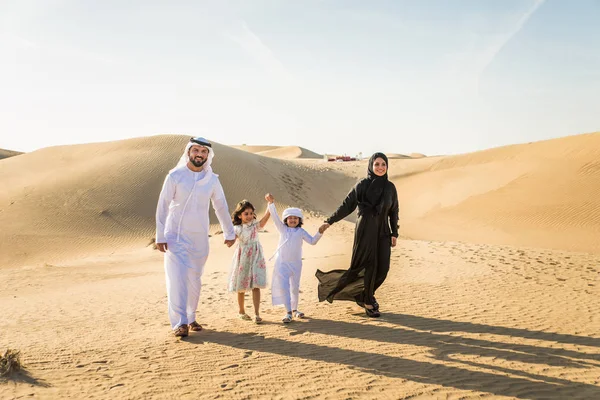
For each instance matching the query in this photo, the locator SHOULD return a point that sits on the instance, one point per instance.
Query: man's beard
(197, 164)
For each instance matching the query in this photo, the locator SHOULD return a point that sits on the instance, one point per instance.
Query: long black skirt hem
(328, 281)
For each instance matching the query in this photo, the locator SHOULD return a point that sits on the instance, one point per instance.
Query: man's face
(198, 155)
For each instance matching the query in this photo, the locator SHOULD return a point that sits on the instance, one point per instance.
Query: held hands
(229, 243)
(162, 247)
(269, 198)
(323, 228)
(394, 241)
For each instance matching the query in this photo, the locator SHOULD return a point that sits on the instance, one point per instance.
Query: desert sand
(493, 290)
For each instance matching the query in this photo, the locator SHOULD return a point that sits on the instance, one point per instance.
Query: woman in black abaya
(376, 232)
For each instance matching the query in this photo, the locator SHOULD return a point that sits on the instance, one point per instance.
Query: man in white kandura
(182, 230)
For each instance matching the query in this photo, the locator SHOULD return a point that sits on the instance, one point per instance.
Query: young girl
(248, 267)
(285, 287)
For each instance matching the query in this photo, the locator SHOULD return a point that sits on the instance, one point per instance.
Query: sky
(426, 76)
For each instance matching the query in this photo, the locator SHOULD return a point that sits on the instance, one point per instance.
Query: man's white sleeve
(222, 210)
(162, 209)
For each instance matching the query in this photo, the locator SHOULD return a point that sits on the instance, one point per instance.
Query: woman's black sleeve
(393, 214)
(348, 206)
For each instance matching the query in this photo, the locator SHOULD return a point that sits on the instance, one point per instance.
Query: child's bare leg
(242, 309)
(256, 300)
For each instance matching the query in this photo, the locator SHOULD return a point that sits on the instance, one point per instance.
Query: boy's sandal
(244, 317)
(181, 331)
(195, 327)
(257, 319)
(298, 314)
(287, 319)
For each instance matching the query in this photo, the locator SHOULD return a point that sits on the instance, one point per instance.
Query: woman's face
(379, 166)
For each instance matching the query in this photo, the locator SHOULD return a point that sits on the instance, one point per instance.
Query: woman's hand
(394, 241)
(269, 198)
(323, 228)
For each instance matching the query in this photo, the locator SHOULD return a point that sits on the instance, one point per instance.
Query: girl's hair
(239, 209)
(297, 226)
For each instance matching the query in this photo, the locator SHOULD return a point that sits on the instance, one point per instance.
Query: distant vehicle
(341, 158)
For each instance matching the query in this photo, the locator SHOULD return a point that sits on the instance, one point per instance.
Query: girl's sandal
(244, 317)
(257, 319)
(298, 314)
(195, 327)
(287, 319)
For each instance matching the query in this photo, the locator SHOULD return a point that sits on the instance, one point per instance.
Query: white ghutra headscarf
(292, 212)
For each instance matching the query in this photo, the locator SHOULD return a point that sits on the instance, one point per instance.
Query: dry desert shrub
(10, 362)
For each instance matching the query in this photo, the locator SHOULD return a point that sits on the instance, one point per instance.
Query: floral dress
(248, 267)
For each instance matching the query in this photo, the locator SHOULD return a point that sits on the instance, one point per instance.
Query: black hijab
(373, 199)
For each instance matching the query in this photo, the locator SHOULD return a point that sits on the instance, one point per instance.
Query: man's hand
(269, 198)
(394, 241)
(323, 228)
(162, 247)
(229, 243)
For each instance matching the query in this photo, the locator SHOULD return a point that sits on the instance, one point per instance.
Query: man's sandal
(181, 331)
(287, 319)
(298, 314)
(195, 327)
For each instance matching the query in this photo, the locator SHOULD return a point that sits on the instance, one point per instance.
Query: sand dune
(256, 149)
(492, 292)
(96, 196)
(8, 153)
(101, 195)
(543, 194)
(283, 152)
(394, 156)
